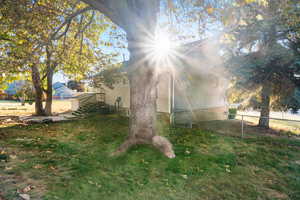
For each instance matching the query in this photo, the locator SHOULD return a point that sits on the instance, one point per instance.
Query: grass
(71, 161)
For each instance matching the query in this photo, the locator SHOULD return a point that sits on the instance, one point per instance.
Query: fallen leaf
(228, 170)
(8, 168)
(27, 188)
(184, 176)
(24, 196)
(259, 17)
(38, 166)
(210, 10)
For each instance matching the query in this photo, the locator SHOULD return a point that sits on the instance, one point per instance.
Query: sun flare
(161, 49)
(162, 45)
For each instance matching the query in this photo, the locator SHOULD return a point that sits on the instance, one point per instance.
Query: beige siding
(201, 92)
(122, 90)
(202, 99)
(164, 94)
(209, 114)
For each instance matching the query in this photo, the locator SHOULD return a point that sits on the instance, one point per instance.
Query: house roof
(58, 85)
(61, 90)
(193, 46)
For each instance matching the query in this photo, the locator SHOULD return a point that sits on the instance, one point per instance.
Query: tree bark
(49, 75)
(48, 107)
(265, 106)
(39, 110)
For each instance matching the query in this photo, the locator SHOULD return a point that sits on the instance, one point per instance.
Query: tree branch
(65, 32)
(79, 27)
(45, 75)
(68, 21)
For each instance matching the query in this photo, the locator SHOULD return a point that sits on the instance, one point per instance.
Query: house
(12, 88)
(194, 91)
(61, 91)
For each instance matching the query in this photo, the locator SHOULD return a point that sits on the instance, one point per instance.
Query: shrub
(232, 113)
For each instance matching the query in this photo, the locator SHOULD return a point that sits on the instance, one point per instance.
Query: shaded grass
(72, 161)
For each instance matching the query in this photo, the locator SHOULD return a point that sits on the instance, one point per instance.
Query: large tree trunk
(39, 110)
(48, 107)
(265, 106)
(143, 81)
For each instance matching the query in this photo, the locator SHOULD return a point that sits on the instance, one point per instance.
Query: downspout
(172, 99)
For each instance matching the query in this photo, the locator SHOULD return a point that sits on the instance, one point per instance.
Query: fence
(242, 125)
(276, 124)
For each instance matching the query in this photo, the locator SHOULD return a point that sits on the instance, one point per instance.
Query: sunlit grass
(71, 161)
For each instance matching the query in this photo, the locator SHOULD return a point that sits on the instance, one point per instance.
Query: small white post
(191, 124)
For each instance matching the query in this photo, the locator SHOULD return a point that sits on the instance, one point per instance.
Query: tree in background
(43, 37)
(109, 76)
(262, 60)
(25, 92)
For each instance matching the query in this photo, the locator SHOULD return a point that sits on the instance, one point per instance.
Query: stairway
(88, 104)
(90, 108)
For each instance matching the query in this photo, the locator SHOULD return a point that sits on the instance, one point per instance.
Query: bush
(232, 113)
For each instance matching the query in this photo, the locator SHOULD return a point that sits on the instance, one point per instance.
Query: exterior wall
(120, 90)
(200, 96)
(123, 91)
(201, 93)
(74, 104)
(164, 94)
(209, 114)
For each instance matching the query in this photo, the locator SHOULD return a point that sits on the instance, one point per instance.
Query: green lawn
(71, 161)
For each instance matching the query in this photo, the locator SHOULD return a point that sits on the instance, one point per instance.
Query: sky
(60, 77)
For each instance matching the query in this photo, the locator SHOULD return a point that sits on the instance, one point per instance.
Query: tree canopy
(263, 59)
(44, 37)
